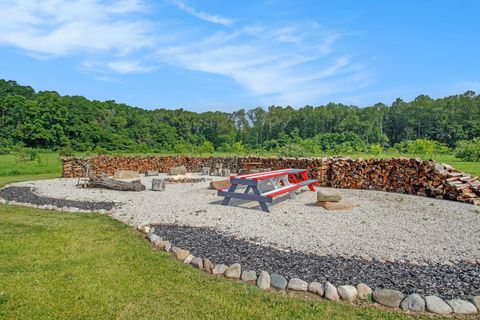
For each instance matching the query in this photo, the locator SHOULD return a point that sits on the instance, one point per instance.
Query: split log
(158, 184)
(105, 182)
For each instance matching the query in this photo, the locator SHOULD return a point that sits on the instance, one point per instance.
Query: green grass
(47, 163)
(84, 266)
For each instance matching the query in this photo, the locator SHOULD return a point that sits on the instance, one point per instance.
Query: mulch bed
(455, 281)
(27, 195)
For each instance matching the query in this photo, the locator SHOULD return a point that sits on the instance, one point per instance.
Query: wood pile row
(402, 175)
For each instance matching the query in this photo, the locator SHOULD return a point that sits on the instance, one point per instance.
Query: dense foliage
(47, 120)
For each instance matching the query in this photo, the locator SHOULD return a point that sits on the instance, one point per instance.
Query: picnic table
(280, 182)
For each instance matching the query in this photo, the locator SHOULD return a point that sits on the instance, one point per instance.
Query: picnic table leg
(305, 177)
(232, 188)
(263, 205)
(248, 189)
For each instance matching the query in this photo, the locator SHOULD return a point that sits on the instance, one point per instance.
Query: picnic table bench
(280, 181)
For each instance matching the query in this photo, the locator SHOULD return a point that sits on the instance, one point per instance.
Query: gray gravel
(383, 225)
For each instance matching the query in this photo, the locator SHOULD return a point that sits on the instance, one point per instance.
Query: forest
(47, 120)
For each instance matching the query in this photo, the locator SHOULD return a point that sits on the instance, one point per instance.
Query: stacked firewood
(402, 175)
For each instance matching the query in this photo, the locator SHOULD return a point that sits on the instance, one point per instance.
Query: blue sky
(226, 55)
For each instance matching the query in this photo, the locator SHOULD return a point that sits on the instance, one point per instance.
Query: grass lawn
(83, 266)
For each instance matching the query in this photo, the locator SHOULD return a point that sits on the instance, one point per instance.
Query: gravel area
(383, 225)
(28, 195)
(458, 280)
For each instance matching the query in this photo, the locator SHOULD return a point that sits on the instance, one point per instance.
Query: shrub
(375, 149)
(291, 150)
(66, 152)
(421, 147)
(468, 150)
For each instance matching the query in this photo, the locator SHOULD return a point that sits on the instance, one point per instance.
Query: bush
(27, 154)
(291, 150)
(66, 152)
(468, 150)
(339, 142)
(421, 147)
(375, 149)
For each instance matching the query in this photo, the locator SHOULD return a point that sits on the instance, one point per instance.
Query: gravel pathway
(383, 225)
(458, 280)
(27, 195)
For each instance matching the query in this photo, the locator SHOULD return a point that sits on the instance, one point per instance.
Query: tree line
(48, 120)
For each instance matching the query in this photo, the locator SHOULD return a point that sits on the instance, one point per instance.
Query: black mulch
(27, 195)
(459, 280)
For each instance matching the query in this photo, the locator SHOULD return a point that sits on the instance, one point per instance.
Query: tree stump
(158, 184)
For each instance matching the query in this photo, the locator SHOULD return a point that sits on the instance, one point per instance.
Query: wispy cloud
(202, 15)
(283, 63)
(290, 64)
(55, 28)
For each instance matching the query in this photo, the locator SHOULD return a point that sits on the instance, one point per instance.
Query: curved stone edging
(412, 302)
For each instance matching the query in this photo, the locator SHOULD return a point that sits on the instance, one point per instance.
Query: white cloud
(57, 28)
(202, 15)
(292, 64)
(128, 66)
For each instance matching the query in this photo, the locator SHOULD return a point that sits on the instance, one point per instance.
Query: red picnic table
(278, 181)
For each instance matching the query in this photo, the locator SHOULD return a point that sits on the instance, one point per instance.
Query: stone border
(349, 293)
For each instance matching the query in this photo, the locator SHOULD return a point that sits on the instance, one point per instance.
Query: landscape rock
(461, 306)
(208, 265)
(436, 305)
(476, 302)
(180, 170)
(160, 243)
(125, 174)
(154, 238)
(297, 284)
(364, 292)
(343, 206)
(151, 173)
(197, 263)
(316, 287)
(347, 292)
(219, 269)
(188, 259)
(331, 292)
(413, 302)
(278, 281)
(249, 275)
(388, 297)
(234, 271)
(263, 280)
(328, 196)
(181, 254)
(168, 247)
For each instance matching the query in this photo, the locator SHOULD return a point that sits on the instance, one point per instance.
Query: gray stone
(178, 170)
(181, 254)
(161, 244)
(331, 292)
(208, 265)
(234, 271)
(346, 292)
(316, 287)
(436, 305)
(297, 284)
(197, 262)
(154, 238)
(331, 196)
(388, 297)
(461, 306)
(364, 292)
(168, 247)
(150, 232)
(278, 281)
(263, 280)
(189, 259)
(476, 302)
(413, 302)
(249, 275)
(219, 269)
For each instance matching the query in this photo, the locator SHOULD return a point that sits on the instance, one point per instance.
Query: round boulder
(388, 297)
(348, 293)
(413, 302)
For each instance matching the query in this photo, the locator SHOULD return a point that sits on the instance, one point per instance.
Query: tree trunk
(109, 183)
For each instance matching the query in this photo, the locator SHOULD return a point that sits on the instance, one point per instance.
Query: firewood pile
(402, 175)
